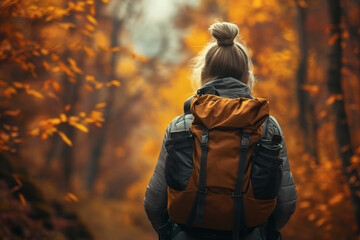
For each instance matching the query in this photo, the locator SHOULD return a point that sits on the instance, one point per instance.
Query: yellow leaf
(313, 89)
(3, 83)
(72, 61)
(90, 78)
(34, 132)
(43, 136)
(142, 58)
(55, 121)
(12, 112)
(55, 57)
(100, 105)
(74, 66)
(74, 118)
(14, 134)
(52, 95)
(56, 86)
(91, 19)
(89, 51)
(90, 27)
(63, 117)
(320, 222)
(18, 84)
(89, 88)
(47, 83)
(65, 69)
(34, 93)
(67, 107)
(98, 124)
(5, 137)
(336, 199)
(65, 138)
(73, 197)
(79, 126)
(67, 198)
(304, 204)
(333, 39)
(303, 4)
(9, 91)
(67, 26)
(73, 80)
(98, 85)
(116, 83)
(17, 180)
(333, 98)
(311, 217)
(44, 51)
(55, 69)
(92, 9)
(22, 199)
(46, 65)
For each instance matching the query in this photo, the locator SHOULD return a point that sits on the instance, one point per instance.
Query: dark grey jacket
(155, 201)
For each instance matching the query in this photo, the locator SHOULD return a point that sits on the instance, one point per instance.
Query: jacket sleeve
(286, 199)
(155, 200)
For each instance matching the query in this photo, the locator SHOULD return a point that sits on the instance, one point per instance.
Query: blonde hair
(224, 56)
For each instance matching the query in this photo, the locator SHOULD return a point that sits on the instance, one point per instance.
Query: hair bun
(224, 33)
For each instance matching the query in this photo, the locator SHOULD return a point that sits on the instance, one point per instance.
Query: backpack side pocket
(179, 159)
(266, 172)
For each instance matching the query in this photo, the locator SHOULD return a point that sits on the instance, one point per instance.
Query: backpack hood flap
(219, 112)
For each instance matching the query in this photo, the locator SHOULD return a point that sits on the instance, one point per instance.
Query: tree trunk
(306, 118)
(100, 139)
(70, 97)
(341, 126)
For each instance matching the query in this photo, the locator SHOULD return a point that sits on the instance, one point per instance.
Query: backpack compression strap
(239, 214)
(199, 202)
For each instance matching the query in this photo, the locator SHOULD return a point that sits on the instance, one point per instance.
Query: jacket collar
(228, 87)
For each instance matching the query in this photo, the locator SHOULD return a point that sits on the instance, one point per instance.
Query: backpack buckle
(204, 140)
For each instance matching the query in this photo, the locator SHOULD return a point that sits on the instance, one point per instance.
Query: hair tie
(226, 42)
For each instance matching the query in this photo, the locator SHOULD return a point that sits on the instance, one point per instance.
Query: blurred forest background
(88, 87)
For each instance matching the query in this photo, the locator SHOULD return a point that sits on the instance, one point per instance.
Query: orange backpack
(221, 174)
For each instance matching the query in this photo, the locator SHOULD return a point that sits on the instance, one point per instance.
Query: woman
(224, 67)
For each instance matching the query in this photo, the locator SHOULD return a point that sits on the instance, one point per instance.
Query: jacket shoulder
(180, 123)
(271, 127)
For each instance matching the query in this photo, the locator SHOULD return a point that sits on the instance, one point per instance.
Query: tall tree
(306, 117)
(121, 12)
(342, 131)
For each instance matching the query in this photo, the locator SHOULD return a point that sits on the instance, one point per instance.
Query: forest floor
(106, 219)
(111, 219)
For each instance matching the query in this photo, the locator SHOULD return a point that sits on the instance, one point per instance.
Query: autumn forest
(88, 88)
